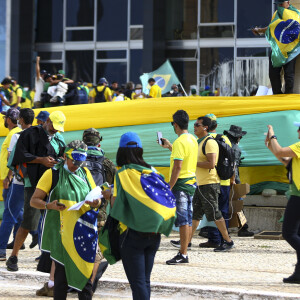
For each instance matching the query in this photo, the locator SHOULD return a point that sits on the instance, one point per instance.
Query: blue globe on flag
(287, 31)
(160, 81)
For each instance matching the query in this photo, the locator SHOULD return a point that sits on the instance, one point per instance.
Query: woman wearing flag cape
(145, 207)
(70, 236)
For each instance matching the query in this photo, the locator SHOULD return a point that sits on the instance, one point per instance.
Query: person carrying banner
(283, 36)
(145, 207)
(70, 236)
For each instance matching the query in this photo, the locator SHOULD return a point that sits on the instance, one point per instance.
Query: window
(111, 54)
(80, 13)
(50, 55)
(250, 15)
(248, 52)
(136, 33)
(217, 11)
(136, 63)
(181, 19)
(186, 72)
(216, 31)
(51, 68)
(79, 35)
(112, 20)
(79, 65)
(137, 12)
(112, 71)
(49, 27)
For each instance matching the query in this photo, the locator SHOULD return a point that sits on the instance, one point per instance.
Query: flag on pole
(164, 76)
(283, 35)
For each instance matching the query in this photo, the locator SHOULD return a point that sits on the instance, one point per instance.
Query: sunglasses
(198, 125)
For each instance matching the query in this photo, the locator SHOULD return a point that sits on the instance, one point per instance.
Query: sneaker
(178, 259)
(209, 244)
(176, 244)
(12, 264)
(11, 245)
(245, 233)
(38, 258)
(2, 257)
(225, 246)
(35, 240)
(292, 279)
(45, 291)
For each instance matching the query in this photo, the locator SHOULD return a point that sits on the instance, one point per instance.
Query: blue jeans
(137, 252)
(184, 208)
(214, 234)
(12, 215)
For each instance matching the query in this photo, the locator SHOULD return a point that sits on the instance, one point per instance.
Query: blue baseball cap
(102, 80)
(43, 116)
(130, 137)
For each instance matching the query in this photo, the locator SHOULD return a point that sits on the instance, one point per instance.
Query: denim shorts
(184, 208)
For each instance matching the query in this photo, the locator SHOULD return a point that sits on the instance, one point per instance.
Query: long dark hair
(126, 155)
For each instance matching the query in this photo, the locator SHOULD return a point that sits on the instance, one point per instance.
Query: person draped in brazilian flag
(69, 236)
(283, 36)
(145, 207)
(183, 162)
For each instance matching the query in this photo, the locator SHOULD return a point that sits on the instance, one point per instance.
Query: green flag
(164, 77)
(283, 35)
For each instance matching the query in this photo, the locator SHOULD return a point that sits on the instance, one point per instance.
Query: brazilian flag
(283, 35)
(71, 237)
(144, 201)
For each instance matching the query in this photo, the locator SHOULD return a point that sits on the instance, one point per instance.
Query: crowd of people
(52, 90)
(43, 178)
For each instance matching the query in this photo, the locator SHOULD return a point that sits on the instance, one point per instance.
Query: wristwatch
(273, 137)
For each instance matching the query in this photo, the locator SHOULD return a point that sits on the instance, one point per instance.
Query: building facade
(207, 42)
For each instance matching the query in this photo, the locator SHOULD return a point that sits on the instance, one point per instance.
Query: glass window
(111, 54)
(136, 65)
(186, 72)
(50, 55)
(136, 33)
(180, 53)
(2, 37)
(181, 19)
(210, 58)
(250, 16)
(49, 27)
(137, 12)
(80, 35)
(217, 11)
(247, 52)
(115, 71)
(51, 68)
(216, 31)
(112, 20)
(79, 65)
(80, 13)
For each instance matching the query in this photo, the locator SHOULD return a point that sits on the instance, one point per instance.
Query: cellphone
(60, 204)
(105, 186)
(159, 138)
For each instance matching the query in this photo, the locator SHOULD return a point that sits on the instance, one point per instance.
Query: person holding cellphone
(290, 157)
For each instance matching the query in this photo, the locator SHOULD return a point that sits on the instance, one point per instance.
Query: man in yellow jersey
(214, 236)
(155, 90)
(205, 200)
(17, 93)
(183, 161)
(101, 93)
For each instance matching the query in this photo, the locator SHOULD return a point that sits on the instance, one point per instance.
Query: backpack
(95, 166)
(83, 97)
(100, 97)
(226, 162)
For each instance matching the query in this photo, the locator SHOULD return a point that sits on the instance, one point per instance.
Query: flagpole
(183, 89)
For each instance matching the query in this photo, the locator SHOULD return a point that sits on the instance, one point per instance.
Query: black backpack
(95, 166)
(100, 97)
(226, 162)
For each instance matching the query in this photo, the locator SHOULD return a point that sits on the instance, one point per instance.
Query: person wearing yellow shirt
(155, 90)
(17, 93)
(138, 93)
(290, 157)
(101, 93)
(205, 200)
(10, 121)
(183, 162)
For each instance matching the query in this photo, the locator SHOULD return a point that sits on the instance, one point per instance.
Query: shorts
(184, 208)
(31, 215)
(205, 201)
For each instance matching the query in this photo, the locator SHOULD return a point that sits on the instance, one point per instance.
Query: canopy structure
(148, 116)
